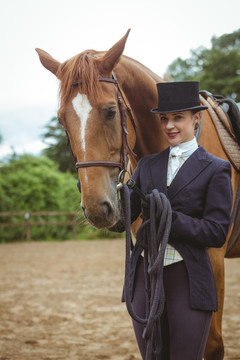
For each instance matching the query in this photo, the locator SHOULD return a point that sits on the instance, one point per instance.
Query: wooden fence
(28, 222)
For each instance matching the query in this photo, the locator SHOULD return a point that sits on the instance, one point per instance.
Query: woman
(198, 186)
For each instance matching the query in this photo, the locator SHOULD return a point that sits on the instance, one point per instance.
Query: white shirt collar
(185, 149)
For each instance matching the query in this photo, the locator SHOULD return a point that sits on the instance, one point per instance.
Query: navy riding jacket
(201, 200)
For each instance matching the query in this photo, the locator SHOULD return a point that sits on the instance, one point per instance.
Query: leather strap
(109, 80)
(83, 164)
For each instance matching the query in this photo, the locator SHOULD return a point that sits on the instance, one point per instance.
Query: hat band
(181, 105)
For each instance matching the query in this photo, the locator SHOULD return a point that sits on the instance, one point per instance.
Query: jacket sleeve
(135, 199)
(211, 229)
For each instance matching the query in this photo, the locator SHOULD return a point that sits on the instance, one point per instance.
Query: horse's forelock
(83, 70)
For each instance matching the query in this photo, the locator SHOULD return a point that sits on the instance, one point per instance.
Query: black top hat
(178, 96)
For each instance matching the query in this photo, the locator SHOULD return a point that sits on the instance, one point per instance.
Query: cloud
(22, 128)
(33, 148)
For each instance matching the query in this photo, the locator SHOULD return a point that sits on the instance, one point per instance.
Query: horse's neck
(139, 86)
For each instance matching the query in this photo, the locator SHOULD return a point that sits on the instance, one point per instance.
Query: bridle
(122, 164)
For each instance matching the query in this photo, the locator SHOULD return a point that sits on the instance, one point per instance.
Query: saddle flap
(227, 111)
(233, 115)
(223, 125)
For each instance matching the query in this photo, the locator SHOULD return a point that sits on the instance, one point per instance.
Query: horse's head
(89, 111)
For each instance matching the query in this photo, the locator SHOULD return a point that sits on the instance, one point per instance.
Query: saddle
(225, 115)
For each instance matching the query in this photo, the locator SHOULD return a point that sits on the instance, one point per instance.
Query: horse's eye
(110, 113)
(60, 121)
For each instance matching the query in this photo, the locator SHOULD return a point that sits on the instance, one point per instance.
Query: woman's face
(179, 127)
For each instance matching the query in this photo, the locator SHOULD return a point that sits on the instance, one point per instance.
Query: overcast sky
(161, 32)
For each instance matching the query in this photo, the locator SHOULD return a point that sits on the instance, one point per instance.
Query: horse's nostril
(107, 210)
(101, 214)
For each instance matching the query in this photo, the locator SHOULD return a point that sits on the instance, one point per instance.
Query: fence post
(74, 226)
(27, 226)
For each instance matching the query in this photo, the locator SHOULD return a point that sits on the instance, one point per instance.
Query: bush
(29, 183)
(33, 184)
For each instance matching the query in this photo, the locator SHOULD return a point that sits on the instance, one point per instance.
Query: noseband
(122, 164)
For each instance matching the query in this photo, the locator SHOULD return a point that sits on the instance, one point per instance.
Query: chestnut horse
(89, 111)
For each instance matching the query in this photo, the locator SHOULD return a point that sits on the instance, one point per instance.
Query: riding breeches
(184, 330)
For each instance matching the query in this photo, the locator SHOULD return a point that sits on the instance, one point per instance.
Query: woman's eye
(110, 113)
(163, 118)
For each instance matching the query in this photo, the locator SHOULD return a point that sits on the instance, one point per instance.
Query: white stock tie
(178, 155)
(174, 158)
(175, 154)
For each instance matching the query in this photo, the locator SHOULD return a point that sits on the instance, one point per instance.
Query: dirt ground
(61, 301)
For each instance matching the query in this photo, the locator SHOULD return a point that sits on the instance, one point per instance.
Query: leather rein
(122, 164)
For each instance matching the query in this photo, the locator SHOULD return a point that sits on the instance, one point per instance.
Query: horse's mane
(81, 71)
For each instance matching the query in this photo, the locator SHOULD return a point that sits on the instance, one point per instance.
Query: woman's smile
(172, 134)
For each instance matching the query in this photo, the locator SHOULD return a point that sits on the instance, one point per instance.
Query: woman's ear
(196, 118)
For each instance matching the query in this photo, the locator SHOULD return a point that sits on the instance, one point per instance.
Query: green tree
(217, 68)
(58, 149)
(29, 183)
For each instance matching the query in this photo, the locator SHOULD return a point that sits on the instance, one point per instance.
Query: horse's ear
(110, 59)
(48, 61)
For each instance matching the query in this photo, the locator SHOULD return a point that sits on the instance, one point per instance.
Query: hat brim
(162, 111)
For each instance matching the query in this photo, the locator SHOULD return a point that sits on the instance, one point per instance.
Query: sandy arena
(61, 301)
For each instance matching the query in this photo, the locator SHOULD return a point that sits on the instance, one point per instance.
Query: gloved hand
(145, 206)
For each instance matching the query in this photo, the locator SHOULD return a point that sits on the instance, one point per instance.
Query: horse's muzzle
(102, 215)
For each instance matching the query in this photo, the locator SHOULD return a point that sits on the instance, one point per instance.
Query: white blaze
(82, 107)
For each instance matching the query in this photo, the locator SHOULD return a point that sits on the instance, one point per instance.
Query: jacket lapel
(192, 167)
(158, 170)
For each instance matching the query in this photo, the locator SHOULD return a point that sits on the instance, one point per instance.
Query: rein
(122, 164)
(152, 238)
